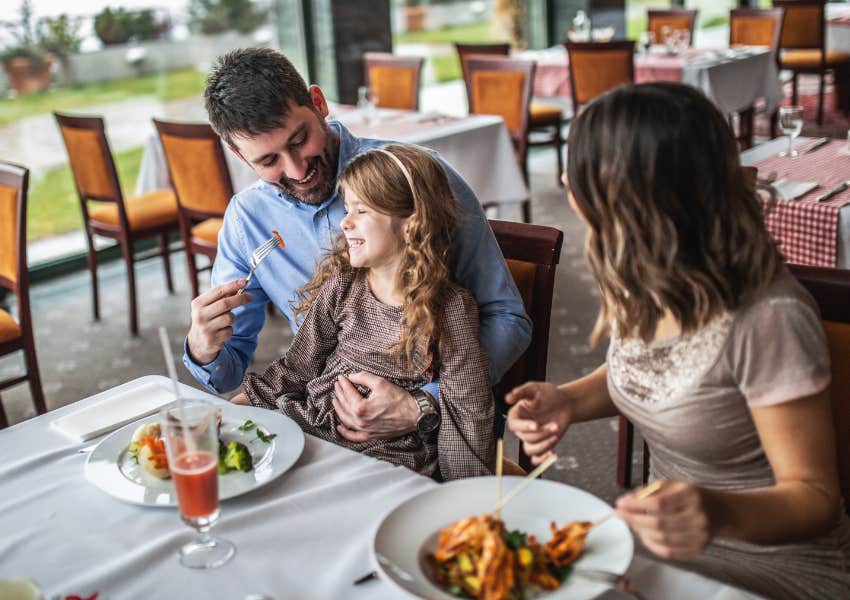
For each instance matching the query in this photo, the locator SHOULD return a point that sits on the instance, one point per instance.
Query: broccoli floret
(222, 452)
(238, 457)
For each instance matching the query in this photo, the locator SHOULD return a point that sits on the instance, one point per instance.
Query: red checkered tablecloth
(807, 230)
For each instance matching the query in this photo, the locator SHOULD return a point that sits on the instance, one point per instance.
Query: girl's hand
(672, 522)
(241, 399)
(539, 418)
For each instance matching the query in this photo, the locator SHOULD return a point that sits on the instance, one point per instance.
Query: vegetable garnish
(234, 457)
(279, 239)
(247, 425)
(266, 437)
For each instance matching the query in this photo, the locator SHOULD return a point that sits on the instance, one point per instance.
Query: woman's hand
(539, 418)
(672, 522)
(240, 399)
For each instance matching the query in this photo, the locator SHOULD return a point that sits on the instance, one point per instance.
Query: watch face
(428, 422)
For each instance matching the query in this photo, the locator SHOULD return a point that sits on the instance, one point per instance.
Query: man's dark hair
(249, 92)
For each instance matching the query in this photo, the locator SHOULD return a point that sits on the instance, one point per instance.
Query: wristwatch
(429, 417)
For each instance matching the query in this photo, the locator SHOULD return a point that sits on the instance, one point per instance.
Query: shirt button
(218, 367)
(321, 213)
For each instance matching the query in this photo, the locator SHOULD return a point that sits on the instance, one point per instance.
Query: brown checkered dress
(348, 330)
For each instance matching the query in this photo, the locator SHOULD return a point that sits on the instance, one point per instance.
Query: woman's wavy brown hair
(425, 271)
(673, 223)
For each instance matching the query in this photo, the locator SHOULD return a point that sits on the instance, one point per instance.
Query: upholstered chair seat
(542, 113)
(811, 59)
(9, 328)
(143, 212)
(207, 231)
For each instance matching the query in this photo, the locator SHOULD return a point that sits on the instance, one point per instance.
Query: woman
(717, 354)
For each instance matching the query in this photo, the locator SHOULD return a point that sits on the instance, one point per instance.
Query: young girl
(717, 354)
(383, 302)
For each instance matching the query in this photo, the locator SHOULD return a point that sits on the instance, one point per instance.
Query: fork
(262, 251)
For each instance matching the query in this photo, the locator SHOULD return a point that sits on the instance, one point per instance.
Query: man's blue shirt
(309, 230)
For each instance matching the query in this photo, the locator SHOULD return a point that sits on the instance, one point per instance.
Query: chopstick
(500, 453)
(644, 493)
(525, 483)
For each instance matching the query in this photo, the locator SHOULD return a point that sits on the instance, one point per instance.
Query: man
(262, 108)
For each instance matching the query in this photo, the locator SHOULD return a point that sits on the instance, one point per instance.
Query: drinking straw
(172, 374)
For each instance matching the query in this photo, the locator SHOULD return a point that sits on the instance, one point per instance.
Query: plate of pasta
(446, 543)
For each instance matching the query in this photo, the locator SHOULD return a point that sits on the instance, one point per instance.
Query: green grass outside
(171, 85)
(476, 32)
(53, 204)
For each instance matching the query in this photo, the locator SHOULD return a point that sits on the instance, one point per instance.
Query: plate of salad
(256, 446)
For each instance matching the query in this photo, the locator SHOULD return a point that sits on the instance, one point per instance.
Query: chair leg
(34, 376)
(820, 98)
(794, 88)
(558, 143)
(166, 260)
(526, 213)
(92, 262)
(127, 251)
(625, 441)
(4, 422)
(193, 272)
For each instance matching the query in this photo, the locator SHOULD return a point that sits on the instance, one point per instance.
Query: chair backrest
(464, 51)
(756, 27)
(674, 18)
(197, 168)
(532, 253)
(394, 80)
(831, 290)
(90, 157)
(596, 67)
(14, 181)
(502, 86)
(803, 25)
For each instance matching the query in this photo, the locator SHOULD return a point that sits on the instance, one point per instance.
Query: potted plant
(415, 14)
(26, 63)
(61, 37)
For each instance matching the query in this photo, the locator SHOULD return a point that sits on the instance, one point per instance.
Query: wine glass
(191, 441)
(791, 123)
(645, 40)
(367, 103)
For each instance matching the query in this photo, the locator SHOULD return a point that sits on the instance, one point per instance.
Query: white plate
(110, 467)
(408, 531)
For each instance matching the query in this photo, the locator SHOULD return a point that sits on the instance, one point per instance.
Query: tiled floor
(79, 357)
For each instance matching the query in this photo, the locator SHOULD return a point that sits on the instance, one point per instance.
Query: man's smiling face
(301, 156)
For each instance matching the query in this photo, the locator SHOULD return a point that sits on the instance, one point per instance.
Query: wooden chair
(393, 80)
(831, 290)
(532, 253)
(674, 18)
(545, 119)
(126, 221)
(596, 67)
(502, 86)
(802, 48)
(755, 27)
(16, 334)
(198, 171)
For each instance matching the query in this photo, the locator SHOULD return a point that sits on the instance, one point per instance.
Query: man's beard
(326, 177)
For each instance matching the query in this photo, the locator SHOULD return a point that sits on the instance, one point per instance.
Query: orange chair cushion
(9, 232)
(810, 59)
(752, 31)
(544, 114)
(9, 328)
(207, 231)
(838, 338)
(88, 159)
(802, 27)
(595, 72)
(395, 87)
(143, 212)
(500, 93)
(196, 170)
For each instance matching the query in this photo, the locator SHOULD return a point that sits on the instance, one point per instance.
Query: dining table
(734, 79)
(809, 232)
(477, 146)
(306, 534)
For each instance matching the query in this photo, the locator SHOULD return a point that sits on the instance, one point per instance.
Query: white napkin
(790, 190)
(114, 411)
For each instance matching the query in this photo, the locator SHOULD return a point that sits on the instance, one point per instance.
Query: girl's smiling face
(375, 240)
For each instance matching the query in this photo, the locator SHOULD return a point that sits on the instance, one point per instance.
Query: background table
(733, 83)
(773, 147)
(306, 535)
(478, 147)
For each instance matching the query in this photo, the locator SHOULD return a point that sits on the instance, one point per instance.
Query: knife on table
(816, 145)
(836, 190)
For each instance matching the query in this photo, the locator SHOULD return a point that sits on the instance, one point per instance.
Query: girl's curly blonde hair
(425, 270)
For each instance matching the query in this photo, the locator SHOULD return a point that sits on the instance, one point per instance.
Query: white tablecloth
(306, 535)
(762, 151)
(478, 147)
(838, 33)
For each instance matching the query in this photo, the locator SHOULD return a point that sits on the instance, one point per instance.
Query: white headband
(401, 166)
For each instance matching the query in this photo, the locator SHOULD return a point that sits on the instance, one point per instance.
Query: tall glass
(791, 124)
(191, 441)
